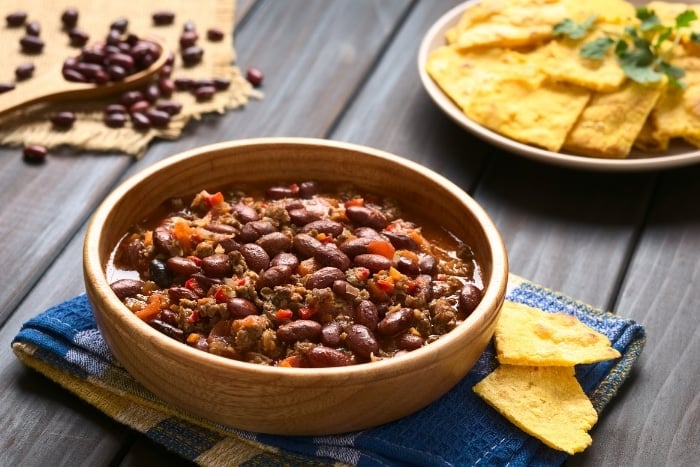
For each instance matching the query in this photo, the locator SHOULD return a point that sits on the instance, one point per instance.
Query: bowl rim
(492, 299)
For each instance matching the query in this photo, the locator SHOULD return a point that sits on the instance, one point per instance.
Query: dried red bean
(140, 121)
(78, 37)
(188, 39)
(35, 153)
(189, 26)
(215, 34)
(163, 17)
(63, 119)
(33, 29)
(69, 18)
(115, 120)
(116, 73)
(4, 87)
(321, 357)
(240, 307)
(139, 106)
(24, 71)
(16, 18)
(204, 93)
(121, 59)
(192, 55)
(115, 108)
(221, 84)
(120, 24)
(361, 342)
(31, 44)
(166, 87)
(124, 288)
(171, 107)
(183, 84)
(254, 76)
(158, 118)
(299, 330)
(152, 93)
(130, 97)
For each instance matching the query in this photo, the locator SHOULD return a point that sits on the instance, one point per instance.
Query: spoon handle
(45, 87)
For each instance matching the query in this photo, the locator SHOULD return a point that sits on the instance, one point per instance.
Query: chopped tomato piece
(284, 314)
(293, 361)
(183, 234)
(194, 317)
(386, 285)
(381, 247)
(195, 259)
(220, 295)
(306, 312)
(214, 199)
(362, 274)
(194, 286)
(152, 308)
(354, 202)
(417, 237)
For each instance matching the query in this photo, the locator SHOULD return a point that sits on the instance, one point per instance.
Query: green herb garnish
(640, 51)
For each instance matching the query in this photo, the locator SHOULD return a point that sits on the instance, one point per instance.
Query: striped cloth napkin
(64, 344)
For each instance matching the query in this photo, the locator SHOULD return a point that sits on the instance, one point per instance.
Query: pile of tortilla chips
(534, 385)
(506, 71)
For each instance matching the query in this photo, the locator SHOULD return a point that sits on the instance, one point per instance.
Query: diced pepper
(284, 314)
(214, 198)
(354, 202)
(395, 274)
(362, 274)
(417, 237)
(193, 338)
(183, 232)
(386, 285)
(220, 295)
(152, 309)
(293, 361)
(381, 247)
(195, 259)
(194, 286)
(194, 317)
(307, 312)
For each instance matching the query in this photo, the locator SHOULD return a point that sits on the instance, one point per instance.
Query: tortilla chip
(611, 122)
(529, 336)
(677, 112)
(545, 402)
(539, 115)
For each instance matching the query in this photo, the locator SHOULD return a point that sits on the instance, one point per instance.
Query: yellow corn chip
(528, 336)
(545, 402)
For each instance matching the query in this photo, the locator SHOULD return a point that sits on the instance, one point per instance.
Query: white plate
(679, 154)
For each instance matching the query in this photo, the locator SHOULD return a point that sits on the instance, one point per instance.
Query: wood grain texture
(346, 70)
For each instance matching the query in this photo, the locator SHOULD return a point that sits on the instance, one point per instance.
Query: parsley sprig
(642, 50)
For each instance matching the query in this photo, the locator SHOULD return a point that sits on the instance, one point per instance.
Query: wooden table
(346, 70)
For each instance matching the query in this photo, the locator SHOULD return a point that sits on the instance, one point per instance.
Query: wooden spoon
(52, 86)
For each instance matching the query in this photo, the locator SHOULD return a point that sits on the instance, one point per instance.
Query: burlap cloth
(32, 125)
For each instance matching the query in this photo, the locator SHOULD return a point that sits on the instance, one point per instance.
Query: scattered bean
(254, 76)
(35, 154)
(69, 18)
(192, 55)
(215, 34)
(63, 119)
(4, 87)
(16, 19)
(33, 28)
(31, 44)
(163, 18)
(24, 71)
(78, 37)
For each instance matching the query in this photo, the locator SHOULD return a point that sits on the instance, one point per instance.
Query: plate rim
(562, 159)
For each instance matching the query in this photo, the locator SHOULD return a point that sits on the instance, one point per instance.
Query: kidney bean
(373, 262)
(182, 266)
(299, 330)
(305, 245)
(166, 87)
(254, 76)
(274, 276)
(33, 28)
(366, 313)
(158, 118)
(427, 264)
(16, 18)
(274, 243)
(396, 322)
(116, 73)
(330, 334)
(120, 24)
(63, 119)
(255, 256)
(140, 121)
(24, 71)
(301, 216)
(284, 258)
(344, 289)
(206, 282)
(124, 288)
(308, 189)
(216, 265)
(78, 37)
(4, 87)
(469, 298)
(409, 341)
(163, 17)
(322, 357)
(113, 37)
(120, 59)
(115, 120)
(188, 39)
(164, 242)
(183, 84)
(407, 266)
(401, 241)
(229, 244)
(215, 34)
(324, 277)
(31, 44)
(355, 246)
(92, 55)
(279, 192)
(245, 213)
(367, 232)
(204, 93)
(192, 55)
(326, 226)
(35, 154)
(366, 217)
(69, 18)
(175, 294)
(128, 98)
(330, 255)
(240, 307)
(167, 329)
(130, 255)
(159, 272)
(222, 228)
(253, 230)
(139, 106)
(361, 342)
(221, 84)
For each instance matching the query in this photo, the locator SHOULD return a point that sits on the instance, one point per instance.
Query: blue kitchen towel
(64, 344)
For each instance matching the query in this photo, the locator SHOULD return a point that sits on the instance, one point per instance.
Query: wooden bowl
(293, 401)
